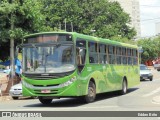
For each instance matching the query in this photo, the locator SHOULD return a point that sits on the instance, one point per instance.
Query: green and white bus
(69, 64)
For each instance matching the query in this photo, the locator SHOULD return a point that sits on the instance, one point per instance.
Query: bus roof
(88, 38)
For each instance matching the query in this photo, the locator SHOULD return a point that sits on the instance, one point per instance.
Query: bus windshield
(48, 59)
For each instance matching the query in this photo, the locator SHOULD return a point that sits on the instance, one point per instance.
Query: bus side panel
(133, 76)
(91, 72)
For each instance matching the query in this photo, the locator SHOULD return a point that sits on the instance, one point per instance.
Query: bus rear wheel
(44, 101)
(124, 87)
(90, 97)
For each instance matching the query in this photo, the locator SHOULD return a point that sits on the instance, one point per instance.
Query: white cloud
(147, 29)
(149, 12)
(149, 2)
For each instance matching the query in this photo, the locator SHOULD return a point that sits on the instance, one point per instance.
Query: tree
(150, 47)
(18, 17)
(107, 18)
(24, 19)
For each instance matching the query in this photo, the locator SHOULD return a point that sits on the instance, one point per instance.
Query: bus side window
(102, 54)
(135, 57)
(118, 55)
(129, 54)
(124, 58)
(80, 53)
(111, 52)
(93, 52)
(91, 59)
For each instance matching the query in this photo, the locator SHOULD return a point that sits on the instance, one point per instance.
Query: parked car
(145, 73)
(157, 66)
(16, 91)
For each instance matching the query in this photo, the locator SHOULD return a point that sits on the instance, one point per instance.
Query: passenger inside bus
(67, 56)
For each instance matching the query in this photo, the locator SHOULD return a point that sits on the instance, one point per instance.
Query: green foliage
(123, 39)
(107, 18)
(26, 17)
(150, 47)
(2, 67)
(30, 16)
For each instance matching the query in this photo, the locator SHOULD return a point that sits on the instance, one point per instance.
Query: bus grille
(42, 76)
(46, 85)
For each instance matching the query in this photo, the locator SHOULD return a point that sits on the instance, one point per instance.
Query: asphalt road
(144, 97)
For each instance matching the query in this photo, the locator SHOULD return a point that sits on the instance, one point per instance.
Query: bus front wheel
(90, 97)
(44, 101)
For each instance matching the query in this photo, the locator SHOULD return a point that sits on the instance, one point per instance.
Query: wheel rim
(91, 93)
(124, 87)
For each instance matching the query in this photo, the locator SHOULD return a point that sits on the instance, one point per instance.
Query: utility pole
(12, 68)
(72, 26)
(65, 24)
(60, 26)
(12, 48)
(140, 50)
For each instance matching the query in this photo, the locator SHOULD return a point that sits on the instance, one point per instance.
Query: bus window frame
(118, 54)
(93, 52)
(84, 47)
(135, 56)
(81, 66)
(112, 54)
(102, 53)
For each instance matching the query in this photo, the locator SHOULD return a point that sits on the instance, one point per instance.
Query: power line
(149, 6)
(148, 22)
(150, 19)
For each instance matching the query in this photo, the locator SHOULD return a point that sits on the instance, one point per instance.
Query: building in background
(132, 7)
(157, 28)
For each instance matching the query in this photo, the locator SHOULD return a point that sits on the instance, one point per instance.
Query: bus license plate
(45, 91)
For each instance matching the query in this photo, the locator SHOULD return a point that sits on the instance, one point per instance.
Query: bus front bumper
(67, 91)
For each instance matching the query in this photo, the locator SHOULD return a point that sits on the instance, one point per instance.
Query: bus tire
(91, 95)
(124, 87)
(44, 101)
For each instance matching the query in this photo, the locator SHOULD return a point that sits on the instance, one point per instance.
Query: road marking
(152, 93)
(157, 79)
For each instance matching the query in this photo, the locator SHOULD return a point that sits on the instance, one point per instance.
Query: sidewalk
(5, 98)
(3, 85)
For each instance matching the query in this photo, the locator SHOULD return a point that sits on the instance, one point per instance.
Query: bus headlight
(27, 84)
(68, 82)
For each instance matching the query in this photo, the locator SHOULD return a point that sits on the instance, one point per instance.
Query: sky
(149, 14)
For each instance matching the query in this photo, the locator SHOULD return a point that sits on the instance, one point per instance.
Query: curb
(5, 98)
